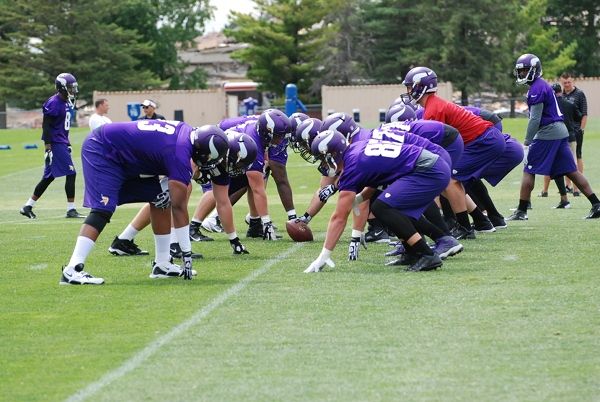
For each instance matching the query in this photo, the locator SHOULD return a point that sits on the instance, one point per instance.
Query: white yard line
(138, 359)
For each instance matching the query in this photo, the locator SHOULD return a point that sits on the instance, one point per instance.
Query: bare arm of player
(256, 182)
(224, 208)
(315, 203)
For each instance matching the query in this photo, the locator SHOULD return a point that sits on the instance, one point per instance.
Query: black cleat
(518, 215)
(405, 259)
(563, 205)
(27, 211)
(176, 252)
(484, 226)
(196, 234)
(594, 212)
(459, 232)
(498, 221)
(543, 194)
(255, 229)
(72, 213)
(122, 247)
(377, 235)
(426, 263)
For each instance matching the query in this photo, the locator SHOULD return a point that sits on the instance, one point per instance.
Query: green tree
(165, 26)
(282, 42)
(578, 21)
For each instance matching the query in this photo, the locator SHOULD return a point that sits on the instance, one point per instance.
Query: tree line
(133, 44)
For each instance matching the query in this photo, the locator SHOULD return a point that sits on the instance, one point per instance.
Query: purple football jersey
(374, 163)
(148, 147)
(541, 92)
(432, 130)
(60, 112)
(236, 121)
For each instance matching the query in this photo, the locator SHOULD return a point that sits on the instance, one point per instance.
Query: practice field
(515, 316)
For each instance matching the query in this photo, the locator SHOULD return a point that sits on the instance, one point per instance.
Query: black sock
(523, 204)
(421, 247)
(433, 215)
(478, 216)
(484, 201)
(424, 226)
(463, 219)
(560, 184)
(593, 199)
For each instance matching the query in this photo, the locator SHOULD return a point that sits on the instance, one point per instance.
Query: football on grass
(298, 231)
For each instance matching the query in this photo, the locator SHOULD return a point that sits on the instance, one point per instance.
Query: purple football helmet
(342, 123)
(400, 112)
(242, 153)
(66, 85)
(296, 119)
(527, 68)
(273, 123)
(303, 137)
(418, 82)
(329, 147)
(209, 146)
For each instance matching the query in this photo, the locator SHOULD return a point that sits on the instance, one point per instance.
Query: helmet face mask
(527, 68)
(66, 85)
(329, 147)
(303, 137)
(418, 82)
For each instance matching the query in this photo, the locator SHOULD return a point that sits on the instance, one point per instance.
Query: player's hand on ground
(269, 231)
(355, 243)
(238, 247)
(318, 264)
(187, 265)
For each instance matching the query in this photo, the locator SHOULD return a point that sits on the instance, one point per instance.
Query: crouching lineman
(117, 160)
(413, 176)
(228, 177)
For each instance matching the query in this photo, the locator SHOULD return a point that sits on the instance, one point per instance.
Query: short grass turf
(515, 316)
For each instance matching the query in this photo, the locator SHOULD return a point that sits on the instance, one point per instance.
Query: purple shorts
(62, 163)
(455, 150)
(478, 155)
(412, 194)
(510, 158)
(550, 158)
(106, 182)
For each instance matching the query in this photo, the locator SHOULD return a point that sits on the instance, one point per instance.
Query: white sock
(83, 247)
(173, 236)
(213, 214)
(31, 202)
(70, 206)
(129, 233)
(162, 244)
(196, 220)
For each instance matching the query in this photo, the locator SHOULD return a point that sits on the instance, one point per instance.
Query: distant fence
(210, 106)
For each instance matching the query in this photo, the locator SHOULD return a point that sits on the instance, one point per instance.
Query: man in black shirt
(576, 97)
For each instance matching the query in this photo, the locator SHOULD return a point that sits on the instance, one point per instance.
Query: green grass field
(515, 317)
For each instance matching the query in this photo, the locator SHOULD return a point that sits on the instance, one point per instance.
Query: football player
(121, 164)
(58, 110)
(547, 138)
(413, 176)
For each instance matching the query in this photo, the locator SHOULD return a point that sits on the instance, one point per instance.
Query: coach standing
(575, 96)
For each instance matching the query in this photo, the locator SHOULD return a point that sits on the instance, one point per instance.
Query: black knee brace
(98, 219)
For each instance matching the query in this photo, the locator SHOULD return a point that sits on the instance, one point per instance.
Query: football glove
(238, 247)
(187, 265)
(304, 218)
(355, 243)
(162, 200)
(269, 231)
(327, 192)
(48, 157)
(318, 264)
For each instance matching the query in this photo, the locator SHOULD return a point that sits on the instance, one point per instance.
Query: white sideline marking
(139, 358)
